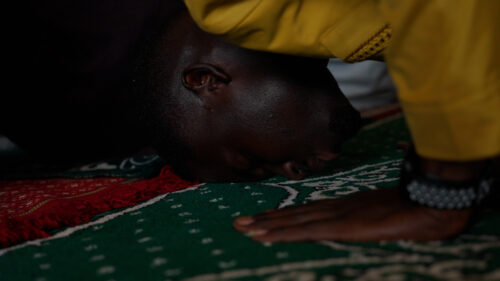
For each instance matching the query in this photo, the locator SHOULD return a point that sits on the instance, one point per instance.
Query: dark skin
(247, 115)
(347, 219)
(390, 217)
(251, 114)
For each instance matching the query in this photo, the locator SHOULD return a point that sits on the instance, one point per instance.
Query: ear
(204, 78)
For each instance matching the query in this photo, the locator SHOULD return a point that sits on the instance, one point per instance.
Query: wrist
(452, 171)
(445, 185)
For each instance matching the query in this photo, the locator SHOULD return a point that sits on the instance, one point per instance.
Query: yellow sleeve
(443, 59)
(351, 30)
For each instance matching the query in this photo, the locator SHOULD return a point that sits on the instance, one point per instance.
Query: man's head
(219, 112)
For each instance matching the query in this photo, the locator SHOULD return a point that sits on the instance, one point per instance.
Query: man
(105, 78)
(443, 60)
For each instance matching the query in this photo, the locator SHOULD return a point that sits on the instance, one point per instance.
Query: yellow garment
(444, 60)
(442, 56)
(346, 29)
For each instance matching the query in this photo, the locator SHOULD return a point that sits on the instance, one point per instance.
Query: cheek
(270, 104)
(286, 136)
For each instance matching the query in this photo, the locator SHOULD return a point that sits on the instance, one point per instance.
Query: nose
(291, 169)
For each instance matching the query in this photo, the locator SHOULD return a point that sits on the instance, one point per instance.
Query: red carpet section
(30, 209)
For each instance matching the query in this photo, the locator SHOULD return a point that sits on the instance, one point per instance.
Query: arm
(443, 60)
(368, 215)
(303, 27)
(448, 84)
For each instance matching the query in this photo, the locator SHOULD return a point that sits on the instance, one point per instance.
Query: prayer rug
(188, 235)
(32, 208)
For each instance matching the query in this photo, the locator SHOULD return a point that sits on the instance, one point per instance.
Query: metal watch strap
(438, 193)
(446, 196)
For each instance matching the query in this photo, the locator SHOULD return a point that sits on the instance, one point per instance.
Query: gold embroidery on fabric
(373, 46)
(70, 197)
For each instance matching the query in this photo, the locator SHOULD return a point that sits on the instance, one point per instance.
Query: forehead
(240, 59)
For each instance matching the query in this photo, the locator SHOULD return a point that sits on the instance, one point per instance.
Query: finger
(246, 220)
(333, 229)
(342, 203)
(248, 224)
(300, 232)
(293, 215)
(334, 207)
(291, 220)
(311, 206)
(348, 229)
(286, 234)
(245, 223)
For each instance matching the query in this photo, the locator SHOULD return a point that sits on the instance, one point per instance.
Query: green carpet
(188, 235)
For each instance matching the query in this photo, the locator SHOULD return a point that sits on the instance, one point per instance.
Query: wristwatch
(431, 191)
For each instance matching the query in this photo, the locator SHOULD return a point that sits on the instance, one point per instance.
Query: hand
(365, 216)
